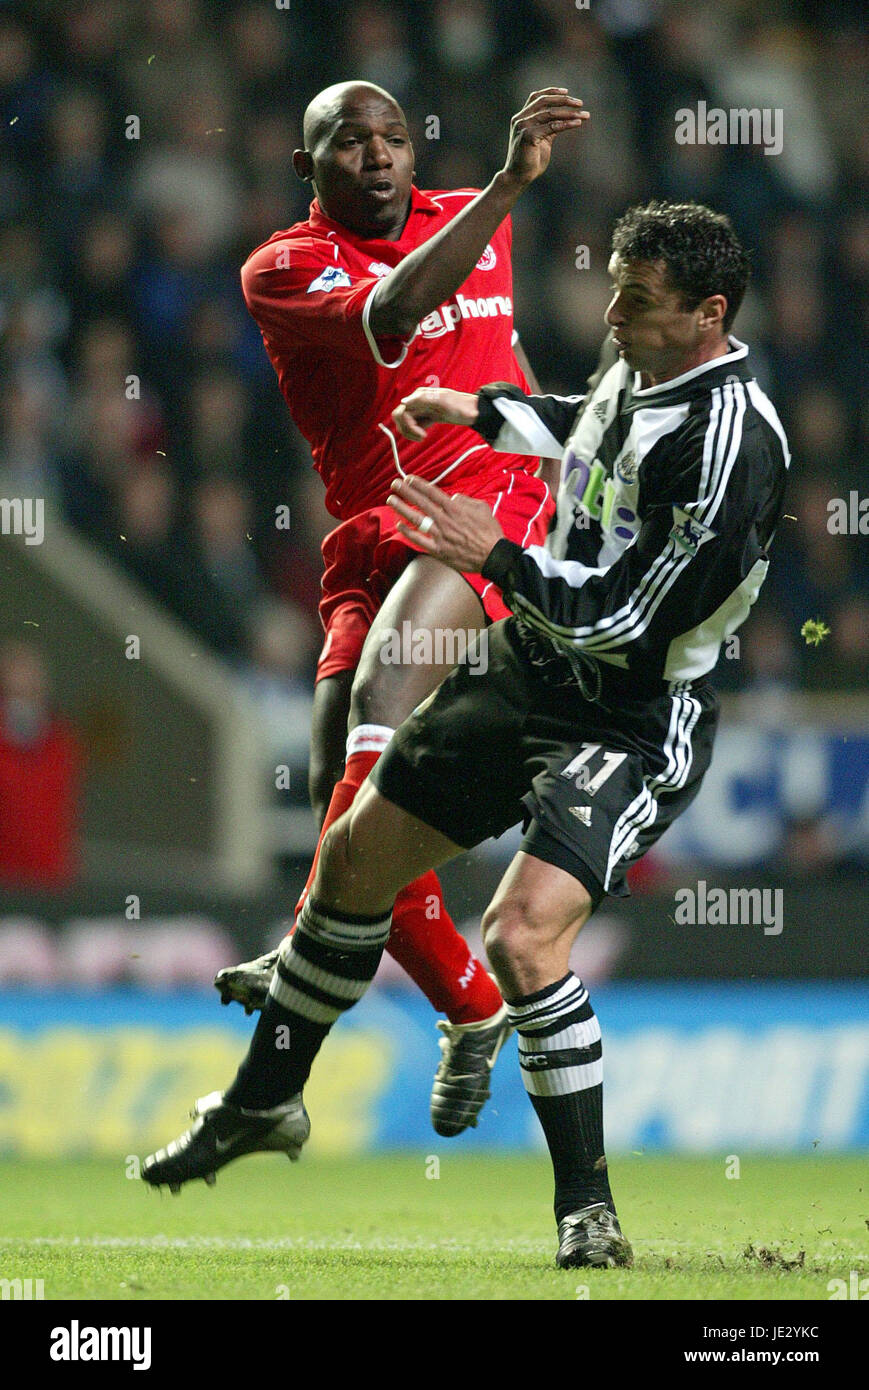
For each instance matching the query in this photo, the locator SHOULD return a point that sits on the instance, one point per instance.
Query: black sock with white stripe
(560, 1059)
(322, 970)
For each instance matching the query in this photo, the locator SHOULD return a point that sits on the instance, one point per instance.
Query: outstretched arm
(435, 270)
(510, 421)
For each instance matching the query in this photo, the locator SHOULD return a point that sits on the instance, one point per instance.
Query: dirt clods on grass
(774, 1259)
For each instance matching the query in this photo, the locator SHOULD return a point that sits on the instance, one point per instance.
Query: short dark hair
(701, 251)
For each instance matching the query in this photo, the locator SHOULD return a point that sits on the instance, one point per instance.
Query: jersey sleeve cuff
(500, 561)
(372, 341)
(490, 421)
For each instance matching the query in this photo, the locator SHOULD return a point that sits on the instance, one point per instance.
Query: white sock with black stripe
(322, 970)
(562, 1069)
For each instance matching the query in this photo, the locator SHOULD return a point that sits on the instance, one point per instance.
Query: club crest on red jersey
(488, 260)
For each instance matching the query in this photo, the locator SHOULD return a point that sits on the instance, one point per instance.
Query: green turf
(379, 1228)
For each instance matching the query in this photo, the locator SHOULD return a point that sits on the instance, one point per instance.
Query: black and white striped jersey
(668, 501)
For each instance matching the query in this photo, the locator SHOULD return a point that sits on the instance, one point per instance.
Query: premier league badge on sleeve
(689, 533)
(331, 277)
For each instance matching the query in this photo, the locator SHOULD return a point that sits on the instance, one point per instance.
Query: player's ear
(303, 164)
(712, 311)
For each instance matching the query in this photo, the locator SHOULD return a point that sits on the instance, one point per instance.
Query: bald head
(329, 106)
(359, 157)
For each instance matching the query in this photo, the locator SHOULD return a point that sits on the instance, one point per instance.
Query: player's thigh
(458, 762)
(329, 716)
(400, 665)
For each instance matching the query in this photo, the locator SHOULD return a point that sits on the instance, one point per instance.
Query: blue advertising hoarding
(690, 1068)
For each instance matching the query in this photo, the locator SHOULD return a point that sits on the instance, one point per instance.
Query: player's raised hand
(459, 530)
(432, 405)
(532, 130)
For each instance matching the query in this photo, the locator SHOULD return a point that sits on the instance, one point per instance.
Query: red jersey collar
(419, 202)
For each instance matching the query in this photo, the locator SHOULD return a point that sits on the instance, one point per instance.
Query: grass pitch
(387, 1228)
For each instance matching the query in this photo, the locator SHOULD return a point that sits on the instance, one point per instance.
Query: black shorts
(595, 781)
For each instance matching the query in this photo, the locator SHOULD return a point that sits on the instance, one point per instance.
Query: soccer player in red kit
(357, 306)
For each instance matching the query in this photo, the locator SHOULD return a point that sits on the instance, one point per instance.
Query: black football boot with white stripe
(222, 1132)
(461, 1085)
(592, 1238)
(469, 1050)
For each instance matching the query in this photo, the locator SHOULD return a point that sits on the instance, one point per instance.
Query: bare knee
(371, 696)
(511, 936)
(528, 948)
(386, 692)
(361, 867)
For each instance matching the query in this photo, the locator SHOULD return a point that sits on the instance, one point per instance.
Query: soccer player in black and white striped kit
(594, 720)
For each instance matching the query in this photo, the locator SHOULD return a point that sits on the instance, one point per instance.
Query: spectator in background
(223, 541)
(195, 578)
(110, 428)
(849, 643)
(260, 48)
(79, 167)
(820, 433)
(141, 534)
(98, 275)
(40, 772)
(34, 316)
(377, 38)
(25, 89)
(218, 410)
(279, 675)
(294, 557)
(28, 436)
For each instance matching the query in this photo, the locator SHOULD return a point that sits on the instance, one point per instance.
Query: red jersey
(309, 289)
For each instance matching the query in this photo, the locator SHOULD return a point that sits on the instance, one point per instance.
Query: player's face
(654, 332)
(363, 167)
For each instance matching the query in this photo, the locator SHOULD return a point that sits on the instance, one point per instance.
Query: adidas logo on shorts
(582, 813)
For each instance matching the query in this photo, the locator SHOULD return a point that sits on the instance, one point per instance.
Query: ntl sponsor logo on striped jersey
(738, 907)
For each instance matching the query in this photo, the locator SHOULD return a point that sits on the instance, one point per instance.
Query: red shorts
(365, 555)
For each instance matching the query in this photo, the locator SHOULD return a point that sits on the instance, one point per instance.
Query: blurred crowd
(145, 151)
